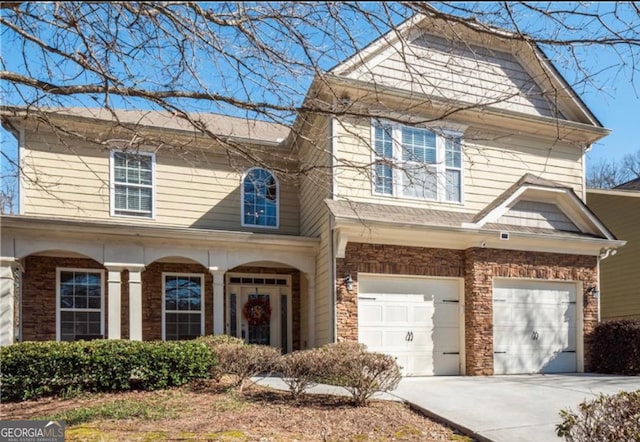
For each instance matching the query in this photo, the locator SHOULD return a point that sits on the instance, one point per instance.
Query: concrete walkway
(515, 408)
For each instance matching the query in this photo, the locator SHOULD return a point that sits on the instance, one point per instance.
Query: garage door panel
(534, 326)
(370, 313)
(502, 338)
(396, 313)
(560, 362)
(502, 313)
(446, 364)
(372, 339)
(445, 315)
(416, 320)
(421, 314)
(395, 339)
(445, 339)
(421, 363)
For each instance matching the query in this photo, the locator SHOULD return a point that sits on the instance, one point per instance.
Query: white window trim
(397, 171)
(275, 178)
(202, 304)
(235, 287)
(59, 309)
(112, 186)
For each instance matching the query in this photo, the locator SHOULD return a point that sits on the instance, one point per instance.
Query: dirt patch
(212, 411)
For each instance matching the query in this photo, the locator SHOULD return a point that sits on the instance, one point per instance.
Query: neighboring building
(476, 256)
(619, 209)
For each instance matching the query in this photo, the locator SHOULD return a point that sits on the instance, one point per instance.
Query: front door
(259, 309)
(257, 316)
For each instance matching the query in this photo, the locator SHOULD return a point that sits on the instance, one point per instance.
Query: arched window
(259, 198)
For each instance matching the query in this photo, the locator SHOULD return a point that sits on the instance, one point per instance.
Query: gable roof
(630, 185)
(222, 125)
(525, 50)
(527, 178)
(533, 188)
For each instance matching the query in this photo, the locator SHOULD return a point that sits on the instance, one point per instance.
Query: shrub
(301, 370)
(349, 365)
(214, 340)
(35, 369)
(610, 418)
(615, 347)
(245, 361)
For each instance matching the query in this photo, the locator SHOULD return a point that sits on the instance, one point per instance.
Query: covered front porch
(66, 280)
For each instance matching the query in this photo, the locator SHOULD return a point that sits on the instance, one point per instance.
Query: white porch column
(114, 285)
(8, 324)
(311, 308)
(135, 303)
(218, 300)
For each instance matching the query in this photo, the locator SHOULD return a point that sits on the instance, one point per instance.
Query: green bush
(610, 418)
(360, 372)
(615, 347)
(244, 361)
(35, 369)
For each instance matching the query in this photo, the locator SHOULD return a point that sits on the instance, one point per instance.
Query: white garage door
(534, 327)
(415, 320)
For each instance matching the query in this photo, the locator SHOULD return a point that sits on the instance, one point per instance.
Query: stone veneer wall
(478, 267)
(389, 259)
(152, 296)
(295, 296)
(39, 294)
(482, 265)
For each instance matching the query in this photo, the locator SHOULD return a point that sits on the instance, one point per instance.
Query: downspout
(598, 285)
(604, 254)
(332, 256)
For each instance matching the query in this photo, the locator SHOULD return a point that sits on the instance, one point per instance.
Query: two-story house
(439, 219)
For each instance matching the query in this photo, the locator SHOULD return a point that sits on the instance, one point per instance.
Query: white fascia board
(575, 210)
(376, 51)
(587, 214)
(460, 238)
(49, 227)
(500, 210)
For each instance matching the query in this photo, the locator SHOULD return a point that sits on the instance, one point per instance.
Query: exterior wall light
(348, 280)
(594, 291)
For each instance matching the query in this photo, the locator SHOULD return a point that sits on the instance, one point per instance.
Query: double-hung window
(414, 162)
(132, 184)
(183, 309)
(80, 304)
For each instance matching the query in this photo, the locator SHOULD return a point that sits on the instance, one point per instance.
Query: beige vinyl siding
(324, 287)
(315, 187)
(491, 165)
(196, 188)
(467, 73)
(620, 273)
(537, 214)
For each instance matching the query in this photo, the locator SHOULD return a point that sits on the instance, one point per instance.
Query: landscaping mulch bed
(214, 411)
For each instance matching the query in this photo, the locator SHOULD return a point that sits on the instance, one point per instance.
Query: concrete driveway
(507, 408)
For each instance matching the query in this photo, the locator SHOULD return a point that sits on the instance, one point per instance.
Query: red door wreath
(257, 311)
